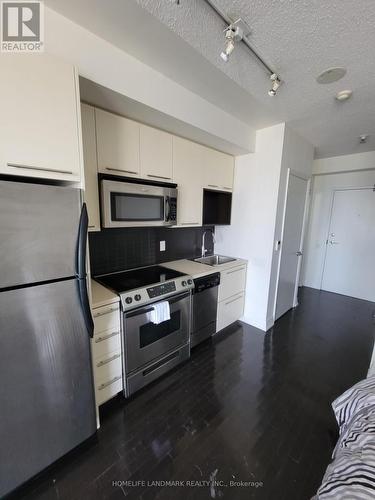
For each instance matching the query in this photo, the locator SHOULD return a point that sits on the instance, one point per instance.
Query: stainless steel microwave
(124, 204)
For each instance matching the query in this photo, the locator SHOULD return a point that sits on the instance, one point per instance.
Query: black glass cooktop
(138, 278)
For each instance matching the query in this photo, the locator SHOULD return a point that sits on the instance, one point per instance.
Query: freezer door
(47, 404)
(38, 232)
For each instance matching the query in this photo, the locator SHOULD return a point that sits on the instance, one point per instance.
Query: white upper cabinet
(218, 170)
(91, 166)
(40, 129)
(187, 173)
(156, 149)
(117, 144)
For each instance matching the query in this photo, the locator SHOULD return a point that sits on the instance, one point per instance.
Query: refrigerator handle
(85, 304)
(82, 243)
(81, 270)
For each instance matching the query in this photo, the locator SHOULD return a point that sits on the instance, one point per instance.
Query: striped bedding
(351, 474)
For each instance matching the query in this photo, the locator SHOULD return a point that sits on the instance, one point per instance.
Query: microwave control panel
(172, 209)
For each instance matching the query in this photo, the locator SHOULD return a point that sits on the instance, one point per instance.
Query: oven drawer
(146, 341)
(106, 342)
(153, 371)
(106, 318)
(108, 389)
(108, 366)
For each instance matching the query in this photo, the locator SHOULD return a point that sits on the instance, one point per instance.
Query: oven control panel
(156, 291)
(143, 296)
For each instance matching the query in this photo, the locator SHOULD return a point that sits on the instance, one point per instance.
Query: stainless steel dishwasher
(204, 308)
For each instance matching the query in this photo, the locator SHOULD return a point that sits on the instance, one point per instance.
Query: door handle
(334, 242)
(299, 254)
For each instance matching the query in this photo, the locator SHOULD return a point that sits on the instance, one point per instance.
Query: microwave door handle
(167, 208)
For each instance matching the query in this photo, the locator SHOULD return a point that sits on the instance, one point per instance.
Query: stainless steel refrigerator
(47, 404)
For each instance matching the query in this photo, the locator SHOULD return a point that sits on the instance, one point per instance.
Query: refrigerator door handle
(81, 270)
(82, 243)
(85, 304)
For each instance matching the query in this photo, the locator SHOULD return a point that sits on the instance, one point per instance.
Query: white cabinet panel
(156, 154)
(90, 166)
(117, 144)
(230, 310)
(232, 281)
(108, 389)
(187, 173)
(106, 342)
(40, 129)
(218, 170)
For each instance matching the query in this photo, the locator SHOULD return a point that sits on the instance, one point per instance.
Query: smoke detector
(331, 75)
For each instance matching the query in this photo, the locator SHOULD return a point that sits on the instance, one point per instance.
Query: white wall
(297, 155)
(345, 163)
(320, 210)
(251, 232)
(257, 215)
(113, 68)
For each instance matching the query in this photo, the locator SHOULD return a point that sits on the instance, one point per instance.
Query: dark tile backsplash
(114, 250)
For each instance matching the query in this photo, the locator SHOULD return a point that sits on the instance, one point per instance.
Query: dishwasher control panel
(206, 282)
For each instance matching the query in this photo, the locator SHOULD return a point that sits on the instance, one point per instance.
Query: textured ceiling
(299, 38)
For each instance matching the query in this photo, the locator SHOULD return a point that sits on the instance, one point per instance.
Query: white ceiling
(299, 38)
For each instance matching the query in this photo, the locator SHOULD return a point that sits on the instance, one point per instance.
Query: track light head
(276, 82)
(232, 34)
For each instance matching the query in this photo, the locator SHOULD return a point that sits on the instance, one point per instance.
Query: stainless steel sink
(214, 260)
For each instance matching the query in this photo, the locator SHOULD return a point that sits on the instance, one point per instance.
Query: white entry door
(350, 257)
(291, 250)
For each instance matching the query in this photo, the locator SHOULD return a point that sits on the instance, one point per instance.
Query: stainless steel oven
(153, 349)
(125, 204)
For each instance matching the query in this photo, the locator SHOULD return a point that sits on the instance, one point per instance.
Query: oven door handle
(145, 310)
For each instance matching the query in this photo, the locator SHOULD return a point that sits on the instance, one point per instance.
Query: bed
(351, 474)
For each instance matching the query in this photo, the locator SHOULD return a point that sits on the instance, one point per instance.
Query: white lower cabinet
(107, 353)
(230, 310)
(231, 296)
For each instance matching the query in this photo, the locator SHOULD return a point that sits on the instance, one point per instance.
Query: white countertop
(196, 269)
(102, 296)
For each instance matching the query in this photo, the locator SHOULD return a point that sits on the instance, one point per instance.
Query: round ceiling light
(331, 75)
(344, 95)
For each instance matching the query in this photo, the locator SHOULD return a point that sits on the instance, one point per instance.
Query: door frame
(334, 191)
(304, 225)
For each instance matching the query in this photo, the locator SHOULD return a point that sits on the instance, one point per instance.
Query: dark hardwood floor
(247, 407)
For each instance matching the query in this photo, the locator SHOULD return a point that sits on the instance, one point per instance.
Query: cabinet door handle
(212, 186)
(110, 382)
(32, 167)
(91, 226)
(158, 176)
(106, 361)
(120, 170)
(107, 311)
(235, 270)
(106, 337)
(226, 187)
(189, 223)
(234, 300)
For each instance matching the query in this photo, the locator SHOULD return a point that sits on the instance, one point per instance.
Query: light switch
(162, 246)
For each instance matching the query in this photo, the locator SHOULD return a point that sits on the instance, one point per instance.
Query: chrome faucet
(204, 250)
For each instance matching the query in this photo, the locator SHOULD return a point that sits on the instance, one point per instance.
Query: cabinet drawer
(107, 367)
(106, 318)
(108, 389)
(106, 342)
(232, 282)
(230, 310)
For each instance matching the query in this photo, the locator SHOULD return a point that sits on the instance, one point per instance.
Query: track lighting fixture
(232, 34)
(276, 82)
